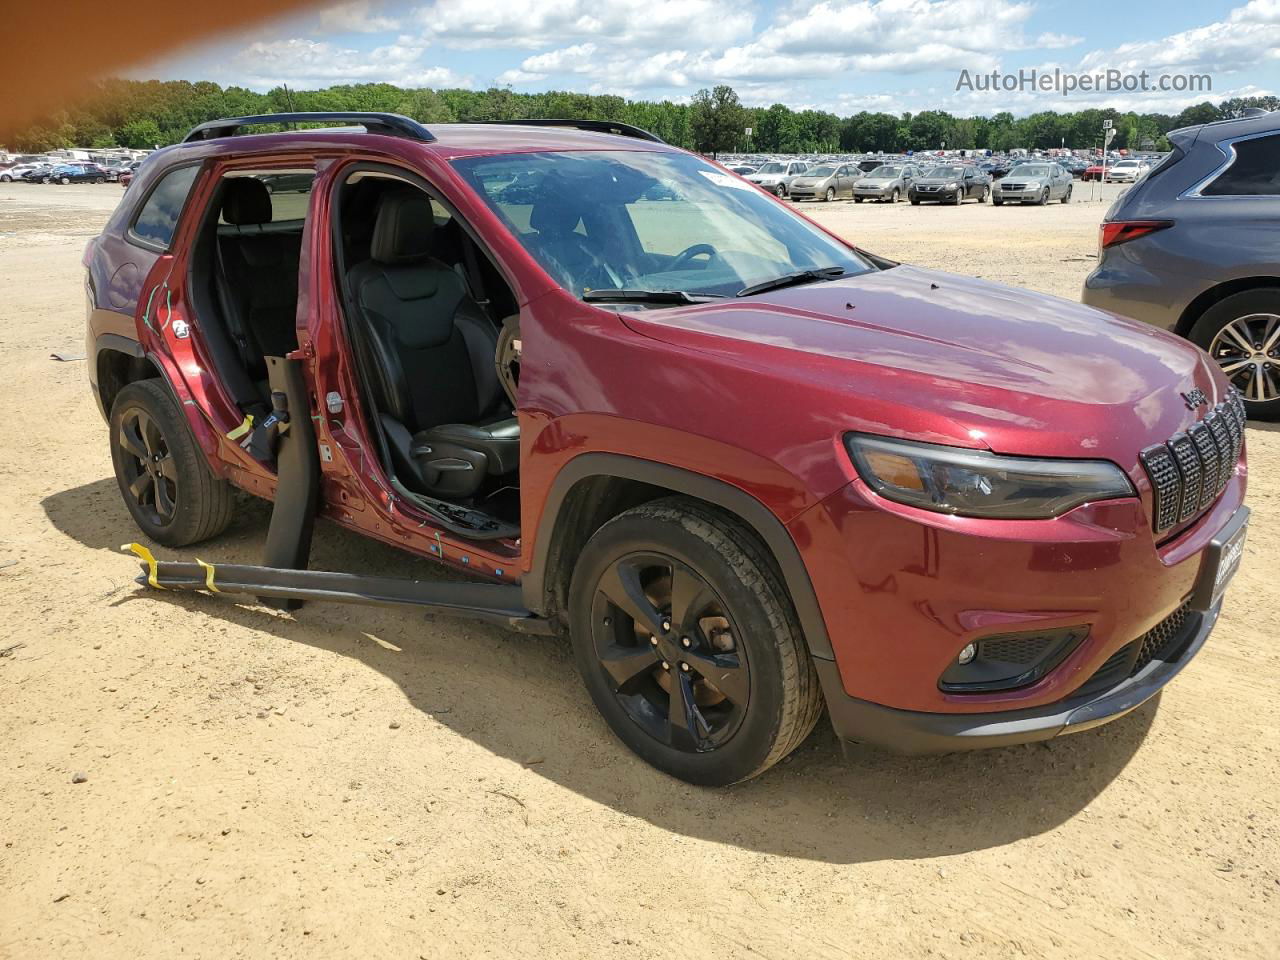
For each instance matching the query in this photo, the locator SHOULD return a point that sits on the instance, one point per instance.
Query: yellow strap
(208, 576)
(245, 426)
(145, 556)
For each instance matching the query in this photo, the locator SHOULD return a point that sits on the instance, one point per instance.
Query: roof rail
(594, 126)
(392, 124)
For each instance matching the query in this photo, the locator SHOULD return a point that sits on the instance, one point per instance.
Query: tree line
(146, 113)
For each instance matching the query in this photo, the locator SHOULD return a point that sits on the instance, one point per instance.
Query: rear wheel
(1066, 197)
(99, 179)
(1242, 334)
(688, 644)
(166, 483)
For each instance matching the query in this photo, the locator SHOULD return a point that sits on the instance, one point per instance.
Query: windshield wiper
(648, 296)
(792, 279)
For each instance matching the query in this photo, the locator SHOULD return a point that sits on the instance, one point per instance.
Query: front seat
(431, 350)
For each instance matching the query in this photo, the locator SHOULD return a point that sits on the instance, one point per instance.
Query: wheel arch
(118, 362)
(593, 488)
(1215, 294)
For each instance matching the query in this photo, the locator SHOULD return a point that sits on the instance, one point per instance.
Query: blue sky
(839, 55)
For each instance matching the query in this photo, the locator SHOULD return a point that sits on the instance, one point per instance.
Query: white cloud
(357, 16)
(319, 63)
(534, 24)
(1057, 41)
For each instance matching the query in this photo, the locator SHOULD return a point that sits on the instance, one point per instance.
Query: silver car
(826, 181)
(889, 181)
(1033, 183)
(1193, 247)
(776, 175)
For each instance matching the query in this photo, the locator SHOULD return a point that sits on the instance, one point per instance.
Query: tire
(6, 179)
(99, 179)
(1256, 311)
(1066, 197)
(774, 698)
(780, 191)
(915, 202)
(199, 505)
(857, 199)
(997, 203)
(1044, 197)
(830, 194)
(893, 197)
(959, 196)
(64, 180)
(986, 192)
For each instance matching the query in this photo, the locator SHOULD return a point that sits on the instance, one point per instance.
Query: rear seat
(258, 272)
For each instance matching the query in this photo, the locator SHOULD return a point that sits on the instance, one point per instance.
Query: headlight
(953, 186)
(975, 483)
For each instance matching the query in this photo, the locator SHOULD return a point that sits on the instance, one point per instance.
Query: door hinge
(305, 351)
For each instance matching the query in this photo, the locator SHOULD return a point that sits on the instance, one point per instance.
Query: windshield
(952, 172)
(773, 168)
(634, 220)
(1030, 170)
(883, 173)
(820, 171)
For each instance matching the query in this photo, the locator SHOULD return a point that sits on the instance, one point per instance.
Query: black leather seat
(258, 270)
(432, 351)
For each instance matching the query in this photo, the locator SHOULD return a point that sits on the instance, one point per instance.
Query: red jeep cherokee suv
(749, 468)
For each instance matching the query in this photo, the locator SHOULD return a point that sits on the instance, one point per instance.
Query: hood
(927, 355)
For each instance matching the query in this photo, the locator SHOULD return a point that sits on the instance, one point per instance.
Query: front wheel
(780, 190)
(857, 199)
(688, 643)
(1044, 197)
(915, 202)
(166, 483)
(830, 194)
(64, 180)
(1242, 334)
(893, 197)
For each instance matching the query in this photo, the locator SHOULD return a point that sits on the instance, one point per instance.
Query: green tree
(717, 120)
(140, 134)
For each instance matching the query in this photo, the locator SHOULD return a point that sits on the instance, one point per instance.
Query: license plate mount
(1221, 561)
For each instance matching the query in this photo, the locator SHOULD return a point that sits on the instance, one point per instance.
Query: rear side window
(159, 214)
(1254, 172)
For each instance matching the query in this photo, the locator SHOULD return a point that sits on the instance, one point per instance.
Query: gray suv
(1195, 248)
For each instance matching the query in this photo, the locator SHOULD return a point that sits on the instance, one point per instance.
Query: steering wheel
(688, 253)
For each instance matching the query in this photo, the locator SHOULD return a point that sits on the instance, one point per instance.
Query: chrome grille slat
(1191, 469)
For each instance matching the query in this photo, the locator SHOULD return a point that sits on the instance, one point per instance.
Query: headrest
(245, 200)
(402, 232)
(555, 217)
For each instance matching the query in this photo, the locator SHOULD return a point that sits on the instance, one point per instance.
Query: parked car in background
(39, 173)
(1033, 183)
(889, 181)
(1092, 172)
(1127, 171)
(126, 178)
(776, 175)
(742, 169)
(18, 171)
(1192, 247)
(866, 166)
(950, 183)
(824, 182)
(77, 173)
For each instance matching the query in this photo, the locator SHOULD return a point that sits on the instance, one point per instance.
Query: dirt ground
(361, 783)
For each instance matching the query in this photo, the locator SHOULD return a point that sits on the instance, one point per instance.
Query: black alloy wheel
(149, 470)
(688, 643)
(665, 640)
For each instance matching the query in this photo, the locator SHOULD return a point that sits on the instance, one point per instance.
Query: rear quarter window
(159, 214)
(1254, 172)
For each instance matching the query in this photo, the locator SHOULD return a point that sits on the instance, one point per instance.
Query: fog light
(967, 654)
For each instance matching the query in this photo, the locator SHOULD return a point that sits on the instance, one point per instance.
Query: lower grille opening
(1164, 641)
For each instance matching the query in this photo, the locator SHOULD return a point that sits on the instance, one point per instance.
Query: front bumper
(1030, 195)
(914, 732)
(939, 195)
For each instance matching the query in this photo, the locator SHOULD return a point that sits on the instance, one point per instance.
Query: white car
(776, 175)
(1128, 171)
(15, 172)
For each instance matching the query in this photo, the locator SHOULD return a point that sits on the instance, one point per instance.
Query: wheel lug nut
(684, 667)
(665, 665)
(666, 625)
(653, 641)
(686, 642)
